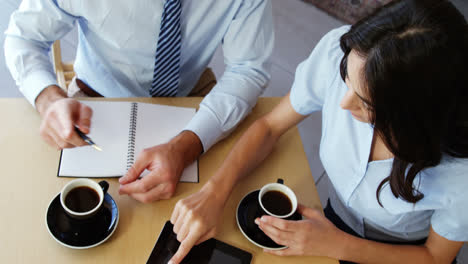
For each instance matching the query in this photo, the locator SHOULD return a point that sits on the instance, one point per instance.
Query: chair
(65, 74)
(63, 70)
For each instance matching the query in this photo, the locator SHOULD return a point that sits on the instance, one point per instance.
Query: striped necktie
(167, 63)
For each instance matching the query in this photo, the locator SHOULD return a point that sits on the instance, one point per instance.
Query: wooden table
(29, 181)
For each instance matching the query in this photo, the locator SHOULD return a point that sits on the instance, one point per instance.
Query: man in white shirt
(118, 56)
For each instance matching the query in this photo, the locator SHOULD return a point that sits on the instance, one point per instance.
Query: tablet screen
(211, 251)
(221, 257)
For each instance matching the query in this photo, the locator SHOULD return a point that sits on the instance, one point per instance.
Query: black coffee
(82, 199)
(276, 203)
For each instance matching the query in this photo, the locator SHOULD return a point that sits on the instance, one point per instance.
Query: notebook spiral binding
(131, 135)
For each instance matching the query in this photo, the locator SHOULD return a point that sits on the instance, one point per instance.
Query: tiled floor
(299, 26)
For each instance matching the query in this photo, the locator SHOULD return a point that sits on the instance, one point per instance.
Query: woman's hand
(196, 219)
(315, 235)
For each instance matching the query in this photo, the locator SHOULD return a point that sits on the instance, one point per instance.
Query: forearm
(366, 251)
(251, 149)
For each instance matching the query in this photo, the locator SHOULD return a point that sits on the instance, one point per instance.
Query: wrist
(188, 145)
(223, 182)
(47, 97)
(347, 246)
(219, 192)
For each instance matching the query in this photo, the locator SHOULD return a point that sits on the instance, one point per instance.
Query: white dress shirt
(117, 45)
(344, 151)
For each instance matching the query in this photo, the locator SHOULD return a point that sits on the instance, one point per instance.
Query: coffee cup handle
(104, 185)
(280, 181)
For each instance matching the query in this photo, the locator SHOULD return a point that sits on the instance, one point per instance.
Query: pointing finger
(206, 236)
(184, 248)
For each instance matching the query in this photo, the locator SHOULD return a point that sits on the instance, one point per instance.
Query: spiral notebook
(123, 130)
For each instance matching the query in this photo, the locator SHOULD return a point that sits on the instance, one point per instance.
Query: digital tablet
(211, 251)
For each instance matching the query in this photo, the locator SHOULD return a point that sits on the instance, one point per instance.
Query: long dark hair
(417, 85)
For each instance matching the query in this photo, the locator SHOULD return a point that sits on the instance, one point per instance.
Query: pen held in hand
(87, 139)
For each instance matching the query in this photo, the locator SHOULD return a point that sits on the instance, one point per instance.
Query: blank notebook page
(157, 124)
(109, 130)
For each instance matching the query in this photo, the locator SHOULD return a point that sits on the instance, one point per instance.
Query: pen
(87, 139)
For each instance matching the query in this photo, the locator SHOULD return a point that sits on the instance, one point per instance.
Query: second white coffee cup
(282, 189)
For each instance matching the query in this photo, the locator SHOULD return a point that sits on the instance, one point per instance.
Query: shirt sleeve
(247, 45)
(315, 75)
(451, 220)
(32, 29)
(452, 223)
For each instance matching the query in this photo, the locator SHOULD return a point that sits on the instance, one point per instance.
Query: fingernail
(256, 221)
(263, 219)
(170, 262)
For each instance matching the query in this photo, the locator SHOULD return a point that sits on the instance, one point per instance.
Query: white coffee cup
(280, 187)
(99, 188)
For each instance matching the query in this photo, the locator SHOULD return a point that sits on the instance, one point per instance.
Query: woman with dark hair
(394, 98)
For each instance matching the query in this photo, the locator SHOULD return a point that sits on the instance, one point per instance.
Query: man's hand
(60, 115)
(166, 163)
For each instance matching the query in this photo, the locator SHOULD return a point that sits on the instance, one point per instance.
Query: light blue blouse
(344, 151)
